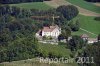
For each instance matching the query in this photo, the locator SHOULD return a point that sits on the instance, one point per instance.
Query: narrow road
(56, 3)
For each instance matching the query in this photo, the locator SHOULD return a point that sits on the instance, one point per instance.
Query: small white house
(89, 40)
(53, 31)
(92, 40)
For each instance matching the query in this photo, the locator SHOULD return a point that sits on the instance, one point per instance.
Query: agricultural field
(88, 23)
(32, 5)
(86, 5)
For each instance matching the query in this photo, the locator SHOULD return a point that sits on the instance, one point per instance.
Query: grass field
(89, 24)
(32, 5)
(55, 49)
(85, 5)
(34, 63)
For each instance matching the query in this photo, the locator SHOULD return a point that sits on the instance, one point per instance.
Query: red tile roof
(84, 36)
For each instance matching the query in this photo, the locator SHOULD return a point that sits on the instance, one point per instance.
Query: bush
(69, 12)
(97, 18)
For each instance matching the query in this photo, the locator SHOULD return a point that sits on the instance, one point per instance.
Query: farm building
(92, 40)
(84, 37)
(89, 40)
(53, 31)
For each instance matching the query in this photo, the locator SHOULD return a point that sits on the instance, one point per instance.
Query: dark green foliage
(76, 43)
(69, 12)
(19, 49)
(17, 41)
(61, 37)
(15, 12)
(66, 32)
(93, 0)
(5, 36)
(75, 26)
(97, 18)
(7, 10)
(99, 37)
(92, 51)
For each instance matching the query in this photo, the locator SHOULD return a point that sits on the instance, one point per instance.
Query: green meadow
(85, 5)
(88, 23)
(59, 50)
(32, 5)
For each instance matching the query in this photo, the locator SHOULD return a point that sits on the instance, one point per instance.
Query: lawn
(86, 5)
(80, 32)
(88, 23)
(32, 5)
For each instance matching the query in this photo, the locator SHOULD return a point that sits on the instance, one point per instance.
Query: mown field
(88, 23)
(32, 5)
(86, 5)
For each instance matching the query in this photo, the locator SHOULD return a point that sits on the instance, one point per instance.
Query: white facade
(55, 33)
(92, 40)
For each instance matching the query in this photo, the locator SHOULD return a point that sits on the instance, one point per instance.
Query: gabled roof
(49, 29)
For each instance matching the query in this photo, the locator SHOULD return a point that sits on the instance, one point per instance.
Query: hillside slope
(56, 3)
